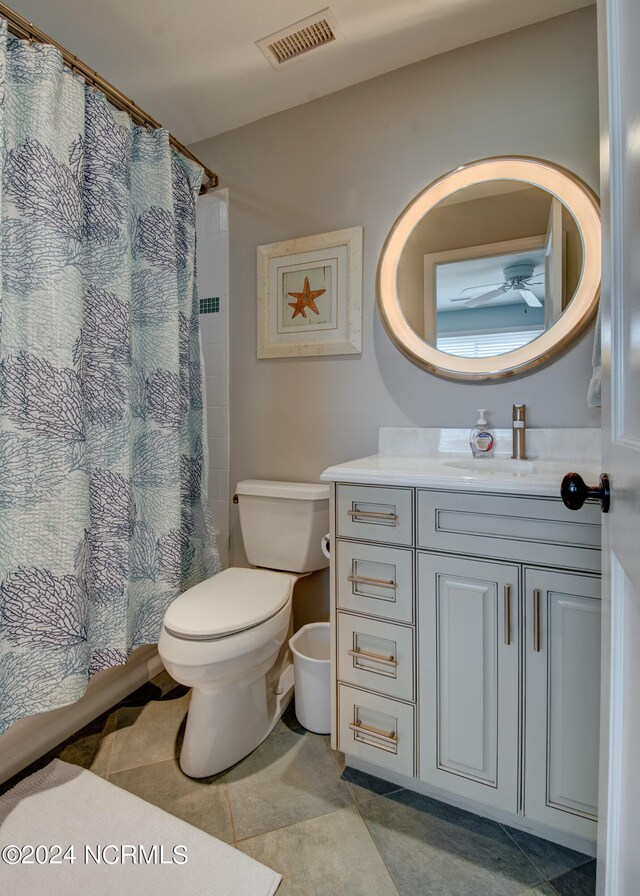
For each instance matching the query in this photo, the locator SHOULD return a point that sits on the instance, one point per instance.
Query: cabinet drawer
(376, 655)
(375, 513)
(377, 729)
(375, 580)
(525, 529)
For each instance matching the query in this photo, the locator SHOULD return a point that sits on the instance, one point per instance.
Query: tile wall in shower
(213, 292)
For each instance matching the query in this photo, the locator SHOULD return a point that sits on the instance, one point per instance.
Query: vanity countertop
(441, 458)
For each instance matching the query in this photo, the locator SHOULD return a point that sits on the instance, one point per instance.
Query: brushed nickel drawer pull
(507, 615)
(380, 583)
(373, 657)
(373, 737)
(536, 620)
(373, 515)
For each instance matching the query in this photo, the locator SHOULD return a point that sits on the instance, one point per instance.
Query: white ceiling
(194, 66)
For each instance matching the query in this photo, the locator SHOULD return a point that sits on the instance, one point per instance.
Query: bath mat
(65, 831)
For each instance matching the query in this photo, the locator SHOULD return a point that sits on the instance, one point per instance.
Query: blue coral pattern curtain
(103, 513)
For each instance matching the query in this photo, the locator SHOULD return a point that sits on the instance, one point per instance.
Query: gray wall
(356, 158)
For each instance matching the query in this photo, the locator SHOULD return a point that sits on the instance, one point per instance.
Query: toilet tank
(283, 523)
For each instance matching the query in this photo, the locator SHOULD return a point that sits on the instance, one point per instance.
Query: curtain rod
(22, 28)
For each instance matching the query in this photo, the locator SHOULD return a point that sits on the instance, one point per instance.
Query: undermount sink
(500, 465)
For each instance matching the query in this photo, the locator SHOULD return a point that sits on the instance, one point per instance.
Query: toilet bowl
(226, 637)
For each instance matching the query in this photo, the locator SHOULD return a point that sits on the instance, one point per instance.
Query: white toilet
(226, 637)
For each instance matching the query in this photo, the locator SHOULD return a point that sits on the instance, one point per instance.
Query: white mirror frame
(578, 199)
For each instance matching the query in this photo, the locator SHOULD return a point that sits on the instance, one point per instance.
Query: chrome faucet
(518, 426)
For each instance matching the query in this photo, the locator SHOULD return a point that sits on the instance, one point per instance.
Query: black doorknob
(574, 492)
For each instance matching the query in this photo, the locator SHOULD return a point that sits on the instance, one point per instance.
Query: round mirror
(493, 270)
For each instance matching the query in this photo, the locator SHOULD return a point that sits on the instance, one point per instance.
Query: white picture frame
(310, 295)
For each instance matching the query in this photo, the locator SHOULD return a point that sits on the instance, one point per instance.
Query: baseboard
(30, 738)
(571, 841)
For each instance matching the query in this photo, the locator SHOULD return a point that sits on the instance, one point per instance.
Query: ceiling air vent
(290, 43)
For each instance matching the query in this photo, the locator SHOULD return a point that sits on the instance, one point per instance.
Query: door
(468, 624)
(554, 265)
(619, 857)
(562, 706)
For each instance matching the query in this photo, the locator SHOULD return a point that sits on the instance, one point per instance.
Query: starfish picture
(305, 299)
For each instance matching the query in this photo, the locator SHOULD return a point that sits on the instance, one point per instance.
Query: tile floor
(328, 830)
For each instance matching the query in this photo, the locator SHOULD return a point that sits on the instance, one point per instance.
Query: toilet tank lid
(302, 491)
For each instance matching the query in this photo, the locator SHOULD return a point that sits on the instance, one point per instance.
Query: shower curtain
(103, 508)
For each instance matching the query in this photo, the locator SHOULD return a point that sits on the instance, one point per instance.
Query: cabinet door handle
(536, 620)
(380, 583)
(373, 737)
(373, 515)
(507, 614)
(374, 657)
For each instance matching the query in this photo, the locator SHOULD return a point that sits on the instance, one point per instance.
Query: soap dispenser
(481, 437)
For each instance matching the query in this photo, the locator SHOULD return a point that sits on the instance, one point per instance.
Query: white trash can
(312, 677)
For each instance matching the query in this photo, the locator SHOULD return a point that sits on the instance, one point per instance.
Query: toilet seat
(232, 601)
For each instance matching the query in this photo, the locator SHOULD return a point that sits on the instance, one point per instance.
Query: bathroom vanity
(465, 618)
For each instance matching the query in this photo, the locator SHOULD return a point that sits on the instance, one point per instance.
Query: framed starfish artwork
(310, 295)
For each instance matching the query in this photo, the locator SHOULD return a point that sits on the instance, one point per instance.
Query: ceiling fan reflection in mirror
(518, 278)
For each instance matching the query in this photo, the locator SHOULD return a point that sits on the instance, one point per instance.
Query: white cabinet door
(468, 622)
(562, 707)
